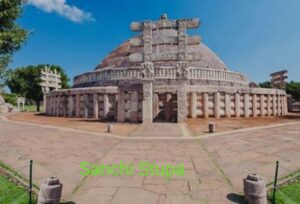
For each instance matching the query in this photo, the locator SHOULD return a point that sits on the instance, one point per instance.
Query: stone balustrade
(165, 72)
(201, 102)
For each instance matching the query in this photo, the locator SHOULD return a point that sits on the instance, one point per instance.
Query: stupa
(164, 74)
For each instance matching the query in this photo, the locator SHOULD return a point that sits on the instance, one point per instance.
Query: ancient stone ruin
(163, 74)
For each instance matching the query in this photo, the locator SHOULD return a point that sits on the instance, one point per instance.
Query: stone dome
(119, 57)
(164, 52)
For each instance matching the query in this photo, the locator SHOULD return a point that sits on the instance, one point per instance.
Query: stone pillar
(86, 105)
(70, 105)
(284, 104)
(237, 105)
(262, 108)
(246, 105)
(147, 101)
(274, 105)
(64, 105)
(181, 100)
(155, 104)
(121, 106)
(269, 101)
(96, 105)
(105, 105)
(49, 111)
(52, 106)
(193, 105)
(45, 102)
(227, 106)
(77, 104)
(217, 105)
(58, 104)
(254, 106)
(205, 105)
(134, 106)
(168, 106)
(278, 105)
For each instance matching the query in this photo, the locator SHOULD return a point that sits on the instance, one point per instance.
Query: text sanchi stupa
(163, 74)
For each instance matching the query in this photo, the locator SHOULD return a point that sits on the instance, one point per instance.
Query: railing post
(30, 182)
(275, 183)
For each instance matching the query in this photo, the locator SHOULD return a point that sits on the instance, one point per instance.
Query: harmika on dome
(163, 74)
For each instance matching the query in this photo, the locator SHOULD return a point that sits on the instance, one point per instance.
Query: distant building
(163, 74)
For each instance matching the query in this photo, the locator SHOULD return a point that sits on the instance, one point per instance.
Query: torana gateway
(163, 74)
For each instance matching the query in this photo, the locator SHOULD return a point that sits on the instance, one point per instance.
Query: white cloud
(62, 8)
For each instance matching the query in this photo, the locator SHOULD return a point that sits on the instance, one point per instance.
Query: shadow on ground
(236, 198)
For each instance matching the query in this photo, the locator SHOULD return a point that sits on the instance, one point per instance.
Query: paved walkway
(214, 166)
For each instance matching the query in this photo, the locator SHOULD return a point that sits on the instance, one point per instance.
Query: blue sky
(255, 37)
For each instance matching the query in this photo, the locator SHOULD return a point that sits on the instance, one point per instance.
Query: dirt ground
(91, 125)
(199, 126)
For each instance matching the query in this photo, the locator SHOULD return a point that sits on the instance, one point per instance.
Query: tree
(25, 81)
(293, 88)
(265, 84)
(11, 34)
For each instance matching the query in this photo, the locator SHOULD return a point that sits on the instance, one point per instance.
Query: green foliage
(12, 193)
(287, 194)
(25, 81)
(293, 88)
(265, 84)
(11, 34)
(10, 98)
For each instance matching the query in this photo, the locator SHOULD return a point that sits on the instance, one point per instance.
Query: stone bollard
(109, 127)
(50, 191)
(255, 190)
(211, 127)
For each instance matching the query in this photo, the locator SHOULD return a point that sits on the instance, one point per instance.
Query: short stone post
(211, 127)
(50, 191)
(255, 190)
(109, 127)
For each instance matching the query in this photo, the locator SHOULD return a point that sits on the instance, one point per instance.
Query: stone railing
(216, 74)
(165, 72)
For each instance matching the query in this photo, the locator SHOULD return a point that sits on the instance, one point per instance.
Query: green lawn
(32, 108)
(10, 193)
(288, 194)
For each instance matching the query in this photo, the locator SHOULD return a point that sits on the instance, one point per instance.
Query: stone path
(157, 130)
(256, 151)
(214, 166)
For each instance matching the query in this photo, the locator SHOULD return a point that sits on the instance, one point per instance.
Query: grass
(10, 193)
(32, 108)
(288, 194)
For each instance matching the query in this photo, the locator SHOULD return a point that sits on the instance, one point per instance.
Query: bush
(10, 98)
(293, 88)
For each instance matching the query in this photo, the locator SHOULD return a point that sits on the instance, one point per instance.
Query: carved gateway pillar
(182, 100)
(147, 74)
(147, 58)
(182, 72)
(147, 101)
